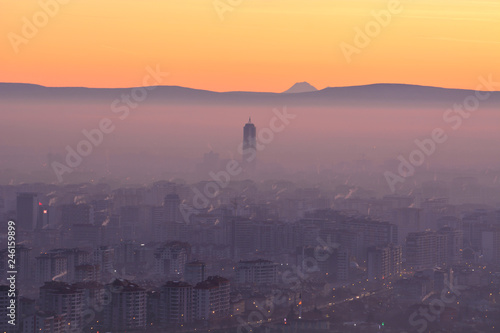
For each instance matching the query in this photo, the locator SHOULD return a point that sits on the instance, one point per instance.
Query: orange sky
(261, 45)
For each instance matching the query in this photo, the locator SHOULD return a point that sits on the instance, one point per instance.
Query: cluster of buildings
(99, 258)
(182, 302)
(120, 305)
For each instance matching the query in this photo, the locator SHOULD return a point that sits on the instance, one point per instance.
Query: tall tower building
(62, 298)
(173, 217)
(27, 211)
(176, 303)
(194, 272)
(126, 310)
(172, 204)
(211, 298)
(249, 146)
(422, 250)
(384, 261)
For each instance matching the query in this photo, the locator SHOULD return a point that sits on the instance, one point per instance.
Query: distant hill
(300, 87)
(374, 95)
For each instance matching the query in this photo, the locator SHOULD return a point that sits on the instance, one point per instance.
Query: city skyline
(236, 166)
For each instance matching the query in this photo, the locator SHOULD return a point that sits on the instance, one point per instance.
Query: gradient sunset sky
(261, 45)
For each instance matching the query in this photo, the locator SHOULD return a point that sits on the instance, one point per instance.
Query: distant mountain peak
(300, 87)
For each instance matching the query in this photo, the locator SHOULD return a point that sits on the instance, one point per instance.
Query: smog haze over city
(249, 166)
